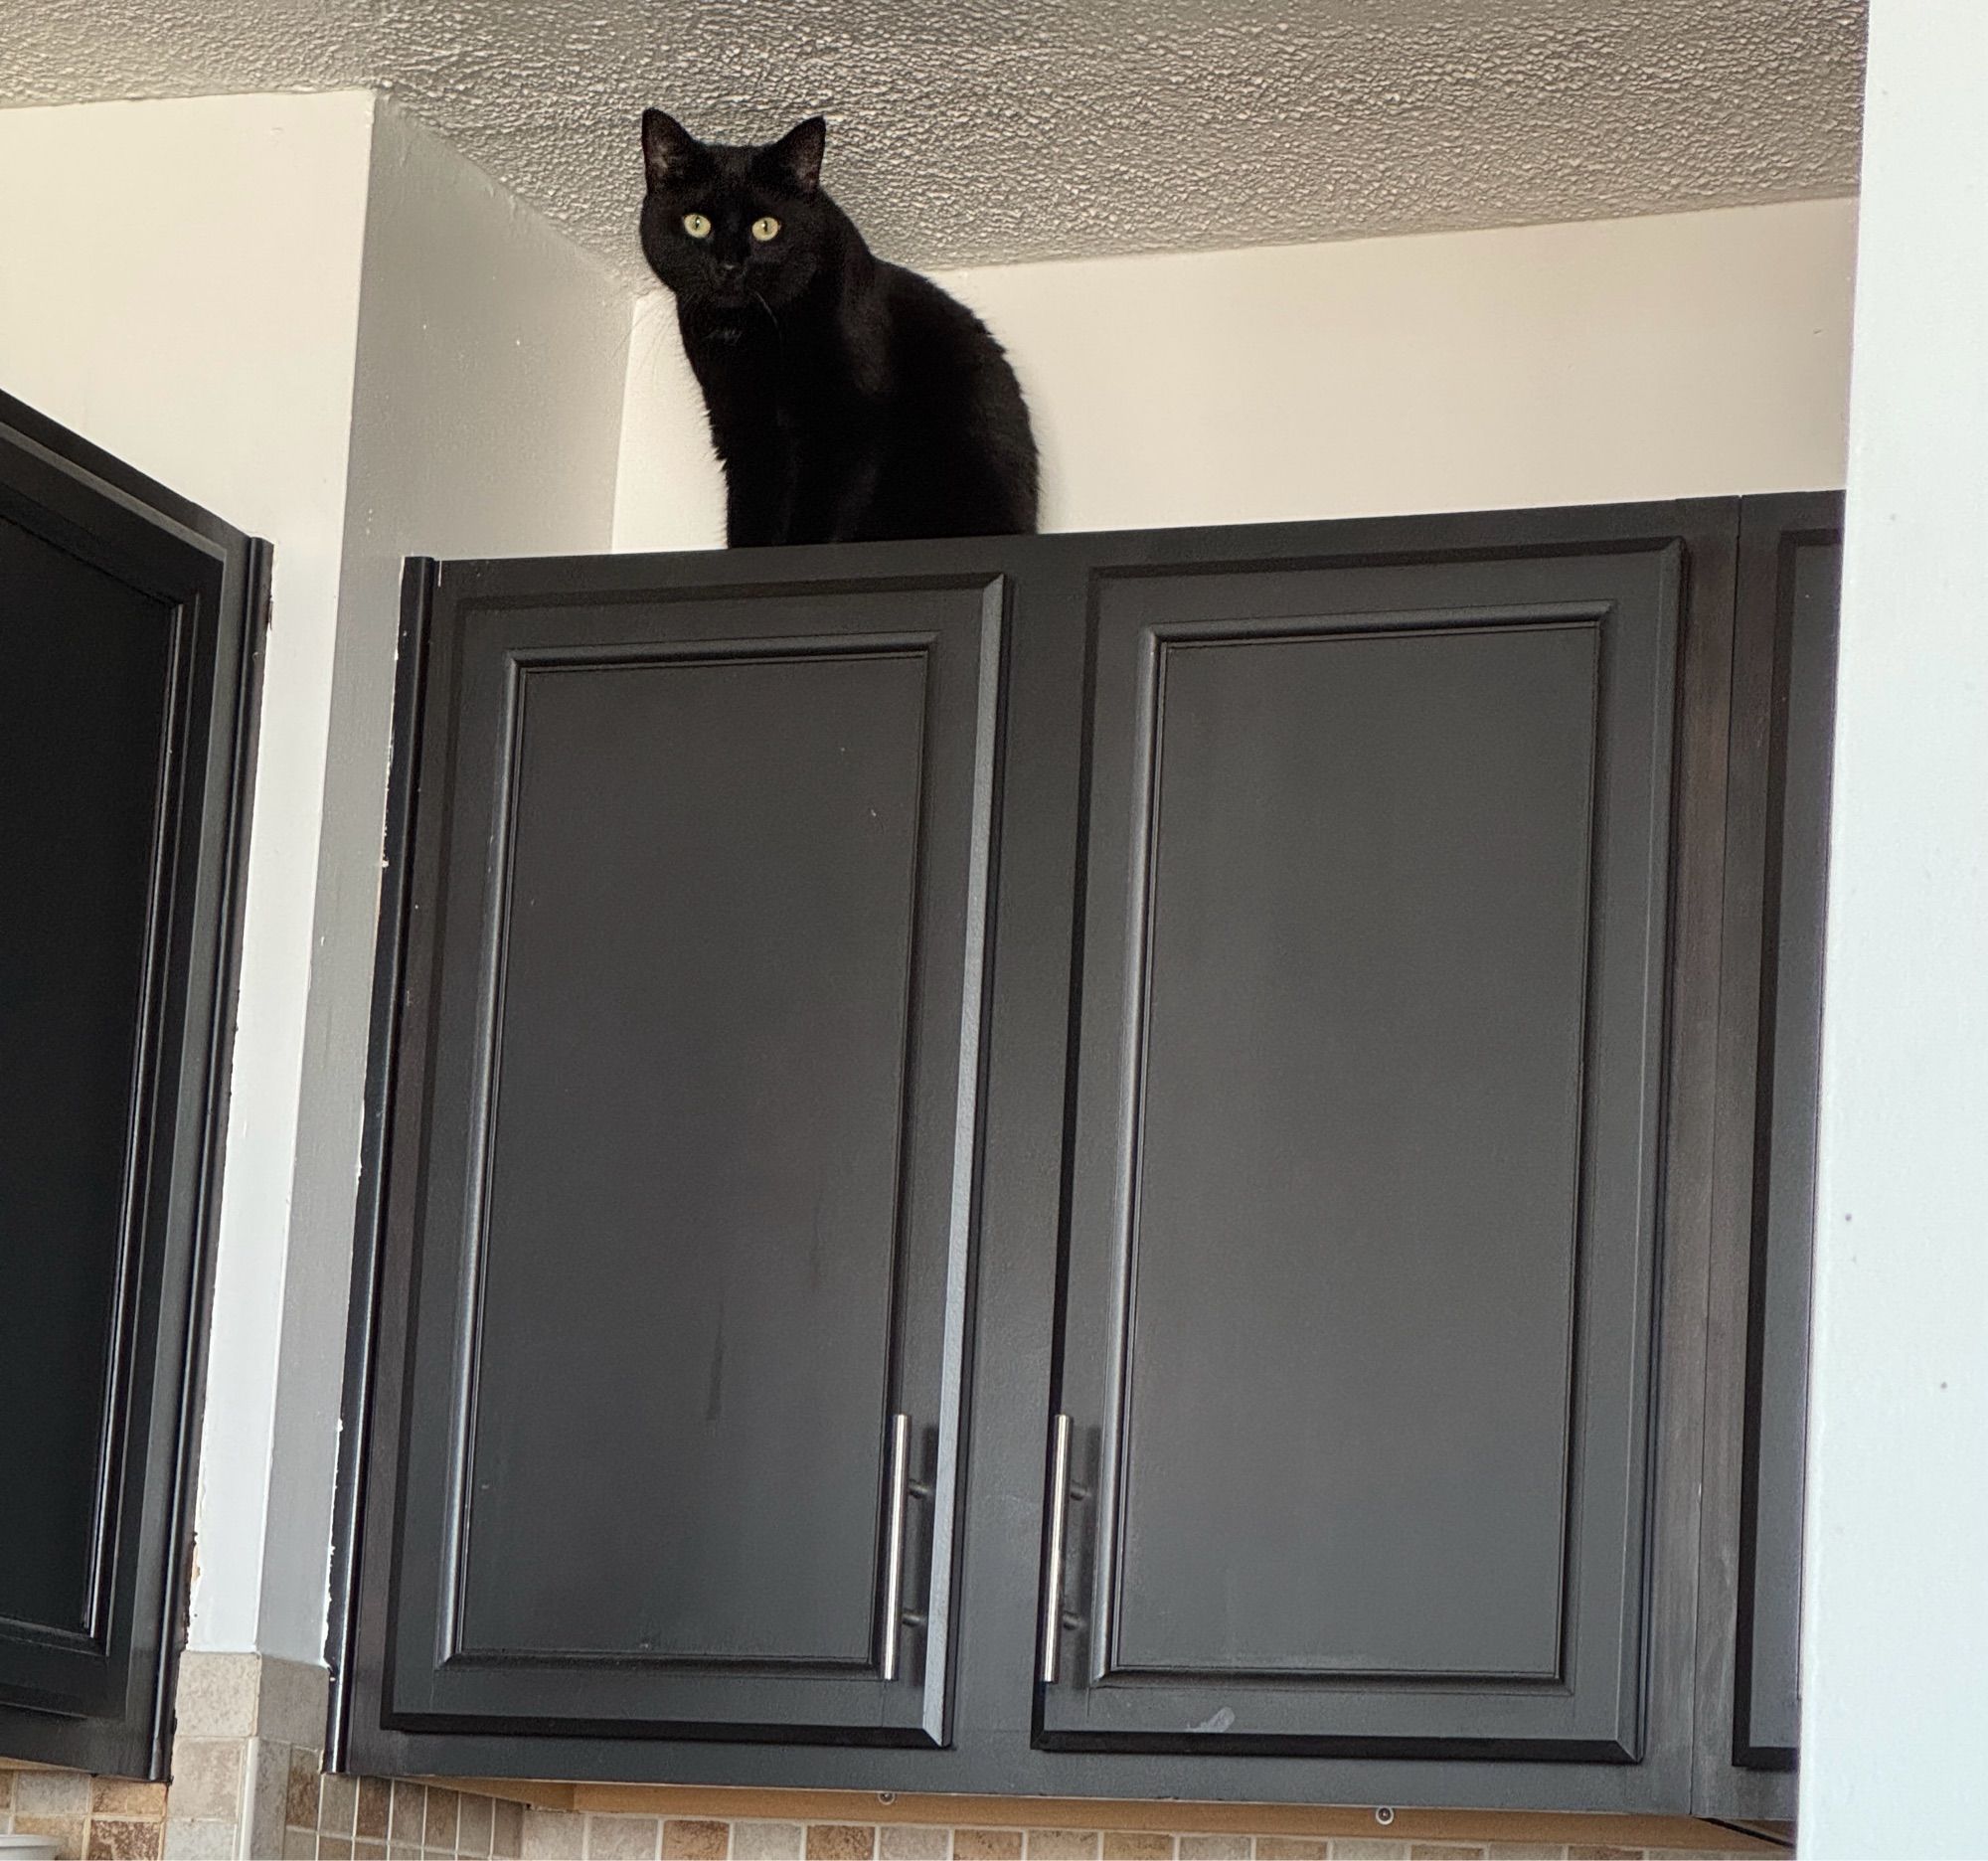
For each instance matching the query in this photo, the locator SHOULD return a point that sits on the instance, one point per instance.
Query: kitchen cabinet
(706, 940)
(1363, 1214)
(130, 626)
(1069, 1164)
(1784, 661)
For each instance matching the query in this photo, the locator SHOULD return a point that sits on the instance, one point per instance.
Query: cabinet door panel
(126, 668)
(1358, 1023)
(706, 1149)
(700, 1112)
(1362, 1194)
(82, 718)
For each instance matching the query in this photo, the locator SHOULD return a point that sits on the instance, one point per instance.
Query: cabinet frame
(993, 1746)
(1732, 1779)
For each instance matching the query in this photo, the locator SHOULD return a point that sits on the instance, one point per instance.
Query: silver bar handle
(1052, 1622)
(902, 1485)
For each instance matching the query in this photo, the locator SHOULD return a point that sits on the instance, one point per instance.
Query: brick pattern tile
(687, 1839)
(841, 1841)
(987, 1844)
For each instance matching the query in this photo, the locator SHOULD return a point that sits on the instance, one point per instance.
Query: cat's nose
(731, 270)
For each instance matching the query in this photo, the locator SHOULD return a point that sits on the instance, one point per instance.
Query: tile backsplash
(248, 1782)
(560, 1835)
(84, 1816)
(248, 1785)
(343, 1818)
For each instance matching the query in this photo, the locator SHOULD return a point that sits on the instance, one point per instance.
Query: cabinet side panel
(1784, 1169)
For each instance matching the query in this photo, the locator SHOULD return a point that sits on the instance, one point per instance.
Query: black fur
(849, 399)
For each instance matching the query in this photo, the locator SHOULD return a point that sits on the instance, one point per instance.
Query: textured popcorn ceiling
(975, 131)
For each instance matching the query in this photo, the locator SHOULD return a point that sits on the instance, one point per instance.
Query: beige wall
(1662, 357)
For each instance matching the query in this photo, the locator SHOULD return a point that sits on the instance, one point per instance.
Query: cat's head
(723, 225)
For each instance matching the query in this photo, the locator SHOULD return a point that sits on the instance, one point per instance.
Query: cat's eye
(697, 226)
(765, 228)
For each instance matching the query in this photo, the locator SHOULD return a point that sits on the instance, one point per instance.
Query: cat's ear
(669, 150)
(796, 156)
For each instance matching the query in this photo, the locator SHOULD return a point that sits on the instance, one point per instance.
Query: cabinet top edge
(1202, 546)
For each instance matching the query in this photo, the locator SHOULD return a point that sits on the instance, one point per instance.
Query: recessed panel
(86, 666)
(695, 1166)
(1355, 1222)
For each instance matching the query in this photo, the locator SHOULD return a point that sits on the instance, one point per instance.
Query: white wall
(484, 422)
(1894, 1655)
(331, 330)
(1660, 357)
(181, 286)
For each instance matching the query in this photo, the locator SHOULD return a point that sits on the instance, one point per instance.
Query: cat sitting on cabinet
(849, 399)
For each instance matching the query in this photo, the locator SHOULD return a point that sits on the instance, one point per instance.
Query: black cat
(849, 399)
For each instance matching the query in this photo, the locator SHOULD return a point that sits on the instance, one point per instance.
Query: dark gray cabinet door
(687, 1169)
(126, 662)
(1362, 1189)
(1785, 674)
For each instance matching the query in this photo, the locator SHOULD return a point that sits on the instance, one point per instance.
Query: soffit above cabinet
(972, 132)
